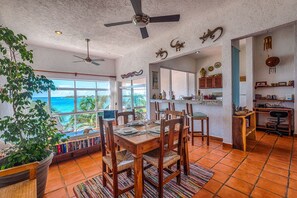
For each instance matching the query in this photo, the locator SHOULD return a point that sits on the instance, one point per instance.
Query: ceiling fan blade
(117, 23)
(168, 18)
(94, 63)
(144, 32)
(78, 61)
(78, 57)
(137, 6)
(99, 59)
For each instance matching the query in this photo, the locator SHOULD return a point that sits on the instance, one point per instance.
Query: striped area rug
(190, 185)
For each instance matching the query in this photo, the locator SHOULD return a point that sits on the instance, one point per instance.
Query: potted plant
(30, 128)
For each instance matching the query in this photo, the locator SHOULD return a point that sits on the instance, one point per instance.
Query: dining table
(142, 142)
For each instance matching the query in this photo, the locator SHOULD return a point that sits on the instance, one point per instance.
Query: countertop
(196, 102)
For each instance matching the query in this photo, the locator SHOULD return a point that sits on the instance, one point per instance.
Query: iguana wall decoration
(162, 53)
(178, 45)
(211, 34)
(131, 74)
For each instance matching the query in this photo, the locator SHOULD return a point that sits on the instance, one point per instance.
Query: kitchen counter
(197, 102)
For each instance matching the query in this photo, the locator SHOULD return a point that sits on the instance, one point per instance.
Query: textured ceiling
(80, 19)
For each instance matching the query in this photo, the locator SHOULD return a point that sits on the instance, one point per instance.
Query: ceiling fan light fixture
(58, 32)
(141, 20)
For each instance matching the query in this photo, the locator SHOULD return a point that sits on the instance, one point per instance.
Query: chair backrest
(157, 106)
(32, 167)
(167, 138)
(107, 140)
(279, 114)
(125, 115)
(171, 106)
(171, 114)
(189, 109)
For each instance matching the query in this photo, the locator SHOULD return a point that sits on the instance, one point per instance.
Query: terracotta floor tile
(67, 164)
(240, 185)
(203, 194)
(272, 186)
(274, 177)
(92, 171)
(293, 175)
(224, 168)
(293, 184)
(213, 157)
(276, 170)
(254, 163)
(235, 157)
(248, 169)
(212, 186)
(73, 177)
(86, 164)
(230, 193)
(54, 184)
(61, 193)
(220, 176)
(261, 193)
(292, 193)
(207, 162)
(250, 178)
(230, 162)
(218, 152)
(70, 169)
(194, 157)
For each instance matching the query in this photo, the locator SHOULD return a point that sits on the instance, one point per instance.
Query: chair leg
(115, 186)
(129, 172)
(207, 130)
(202, 129)
(178, 178)
(103, 178)
(160, 188)
(192, 131)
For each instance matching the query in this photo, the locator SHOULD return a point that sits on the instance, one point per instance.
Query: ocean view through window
(77, 103)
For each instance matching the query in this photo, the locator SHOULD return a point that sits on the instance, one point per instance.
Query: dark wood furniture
(211, 82)
(243, 127)
(165, 156)
(116, 161)
(265, 111)
(24, 189)
(158, 111)
(143, 143)
(191, 116)
(125, 115)
(171, 106)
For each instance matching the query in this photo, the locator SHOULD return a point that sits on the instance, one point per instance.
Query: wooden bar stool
(197, 116)
(158, 111)
(171, 106)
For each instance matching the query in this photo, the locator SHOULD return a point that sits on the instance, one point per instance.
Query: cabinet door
(202, 83)
(209, 83)
(217, 82)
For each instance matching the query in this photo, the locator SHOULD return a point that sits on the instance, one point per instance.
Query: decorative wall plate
(210, 68)
(217, 65)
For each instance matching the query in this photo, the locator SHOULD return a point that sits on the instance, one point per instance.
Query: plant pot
(41, 176)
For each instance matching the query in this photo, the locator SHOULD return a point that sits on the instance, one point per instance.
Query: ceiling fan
(141, 20)
(88, 59)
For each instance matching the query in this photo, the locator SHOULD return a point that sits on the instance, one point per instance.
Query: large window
(76, 103)
(134, 96)
(181, 83)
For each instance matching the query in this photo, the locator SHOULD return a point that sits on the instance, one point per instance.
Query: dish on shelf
(217, 65)
(187, 97)
(210, 68)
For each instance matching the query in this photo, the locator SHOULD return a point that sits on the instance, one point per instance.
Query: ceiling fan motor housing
(141, 20)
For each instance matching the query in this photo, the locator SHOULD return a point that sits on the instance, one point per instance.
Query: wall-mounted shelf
(269, 86)
(271, 100)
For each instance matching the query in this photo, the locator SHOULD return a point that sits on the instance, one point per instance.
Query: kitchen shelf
(272, 100)
(269, 86)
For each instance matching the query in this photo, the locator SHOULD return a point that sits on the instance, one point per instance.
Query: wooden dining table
(143, 142)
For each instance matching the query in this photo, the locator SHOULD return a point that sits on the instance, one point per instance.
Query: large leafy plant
(30, 128)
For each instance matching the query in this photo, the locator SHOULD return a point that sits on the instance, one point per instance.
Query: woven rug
(190, 185)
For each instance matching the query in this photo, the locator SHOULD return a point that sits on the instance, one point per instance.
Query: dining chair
(165, 155)
(158, 111)
(125, 115)
(116, 161)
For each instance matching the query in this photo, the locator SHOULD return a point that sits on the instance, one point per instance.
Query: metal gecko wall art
(211, 34)
(131, 74)
(178, 45)
(162, 53)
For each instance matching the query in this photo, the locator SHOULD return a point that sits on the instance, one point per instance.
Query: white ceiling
(80, 19)
(209, 51)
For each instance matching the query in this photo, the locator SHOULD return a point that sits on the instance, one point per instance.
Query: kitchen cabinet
(211, 82)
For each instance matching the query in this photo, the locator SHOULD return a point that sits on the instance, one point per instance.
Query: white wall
(241, 18)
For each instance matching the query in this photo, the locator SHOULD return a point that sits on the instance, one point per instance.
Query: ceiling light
(197, 52)
(58, 32)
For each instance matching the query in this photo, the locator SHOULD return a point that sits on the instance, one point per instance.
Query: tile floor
(268, 169)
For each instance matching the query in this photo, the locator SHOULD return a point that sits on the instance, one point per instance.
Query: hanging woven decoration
(273, 61)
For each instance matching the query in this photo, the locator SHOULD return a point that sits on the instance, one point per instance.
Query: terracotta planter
(42, 172)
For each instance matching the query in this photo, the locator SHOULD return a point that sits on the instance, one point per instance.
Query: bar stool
(158, 111)
(171, 106)
(197, 116)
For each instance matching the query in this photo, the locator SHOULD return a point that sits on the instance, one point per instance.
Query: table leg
(138, 187)
(186, 157)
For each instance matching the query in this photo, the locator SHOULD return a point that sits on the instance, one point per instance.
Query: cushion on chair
(152, 157)
(124, 160)
(199, 115)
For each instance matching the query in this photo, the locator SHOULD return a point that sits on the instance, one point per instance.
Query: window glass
(64, 83)
(65, 123)
(87, 120)
(191, 84)
(103, 100)
(126, 83)
(85, 84)
(165, 80)
(179, 83)
(86, 100)
(126, 99)
(103, 84)
(62, 101)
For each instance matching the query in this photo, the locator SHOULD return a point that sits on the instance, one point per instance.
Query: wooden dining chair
(24, 189)
(116, 161)
(165, 155)
(125, 115)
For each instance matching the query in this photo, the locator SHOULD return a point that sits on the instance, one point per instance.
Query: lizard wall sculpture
(162, 53)
(211, 34)
(177, 45)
